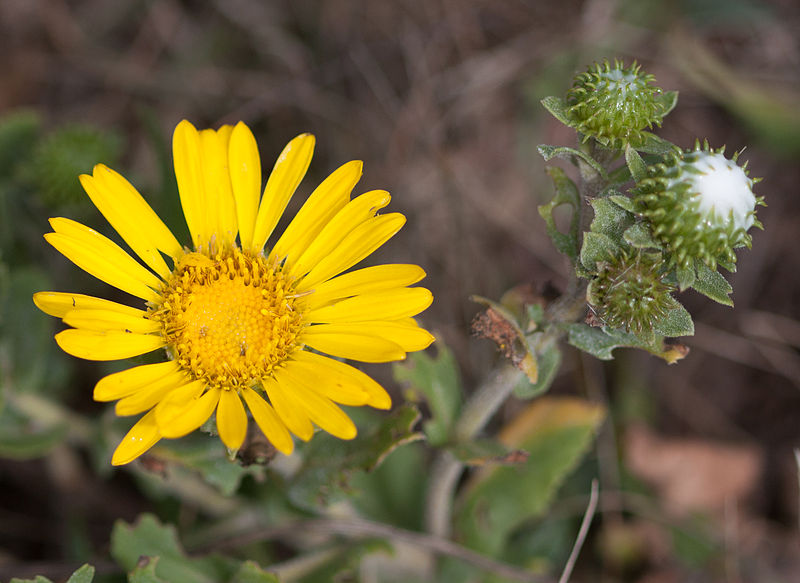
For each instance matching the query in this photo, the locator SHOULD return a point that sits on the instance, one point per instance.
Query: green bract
(629, 291)
(614, 104)
(699, 205)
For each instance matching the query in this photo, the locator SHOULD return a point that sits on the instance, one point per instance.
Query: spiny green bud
(614, 104)
(700, 205)
(63, 156)
(629, 291)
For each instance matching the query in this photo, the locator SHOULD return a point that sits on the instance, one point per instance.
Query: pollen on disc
(229, 320)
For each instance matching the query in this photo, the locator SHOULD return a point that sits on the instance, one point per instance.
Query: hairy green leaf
(571, 155)
(549, 361)
(652, 144)
(597, 247)
(676, 322)
(557, 108)
(638, 235)
(712, 284)
(636, 165)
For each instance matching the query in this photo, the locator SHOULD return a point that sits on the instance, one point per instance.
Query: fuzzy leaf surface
(712, 284)
(558, 108)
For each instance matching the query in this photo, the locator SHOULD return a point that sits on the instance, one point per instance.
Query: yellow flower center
(228, 320)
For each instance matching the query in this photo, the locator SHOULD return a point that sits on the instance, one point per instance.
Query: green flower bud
(629, 291)
(700, 205)
(65, 154)
(614, 104)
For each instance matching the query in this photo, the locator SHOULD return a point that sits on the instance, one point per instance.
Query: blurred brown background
(440, 98)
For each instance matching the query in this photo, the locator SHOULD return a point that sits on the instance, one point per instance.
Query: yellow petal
(126, 382)
(131, 216)
(192, 416)
(221, 208)
(320, 409)
(102, 258)
(150, 395)
(362, 281)
(336, 387)
(174, 403)
(58, 304)
(106, 345)
(231, 419)
(357, 245)
(279, 389)
(323, 204)
(107, 320)
(142, 436)
(344, 373)
(245, 169)
(339, 340)
(348, 218)
(268, 421)
(188, 158)
(405, 333)
(286, 175)
(391, 304)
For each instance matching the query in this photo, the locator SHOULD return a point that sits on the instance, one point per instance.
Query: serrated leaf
(439, 382)
(558, 109)
(328, 462)
(549, 361)
(652, 144)
(149, 538)
(712, 284)
(597, 247)
(571, 155)
(145, 571)
(556, 432)
(610, 219)
(677, 322)
(83, 575)
(251, 572)
(566, 193)
(638, 235)
(636, 165)
(601, 342)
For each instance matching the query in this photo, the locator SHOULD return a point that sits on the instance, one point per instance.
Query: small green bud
(629, 291)
(700, 205)
(614, 104)
(66, 154)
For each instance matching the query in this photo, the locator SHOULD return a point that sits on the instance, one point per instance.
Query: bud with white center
(700, 205)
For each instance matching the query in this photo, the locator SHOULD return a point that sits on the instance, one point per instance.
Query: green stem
(489, 397)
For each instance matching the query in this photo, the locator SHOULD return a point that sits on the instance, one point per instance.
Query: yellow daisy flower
(239, 322)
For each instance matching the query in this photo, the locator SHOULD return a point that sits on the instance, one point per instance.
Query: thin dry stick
(582, 532)
(353, 528)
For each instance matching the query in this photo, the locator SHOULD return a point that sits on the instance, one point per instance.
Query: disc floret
(229, 320)
(700, 205)
(613, 104)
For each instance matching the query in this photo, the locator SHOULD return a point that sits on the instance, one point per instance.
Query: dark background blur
(440, 99)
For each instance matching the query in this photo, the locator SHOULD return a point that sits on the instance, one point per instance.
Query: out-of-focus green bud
(66, 154)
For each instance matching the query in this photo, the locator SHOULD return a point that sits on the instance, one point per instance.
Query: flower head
(241, 324)
(629, 291)
(700, 205)
(613, 104)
